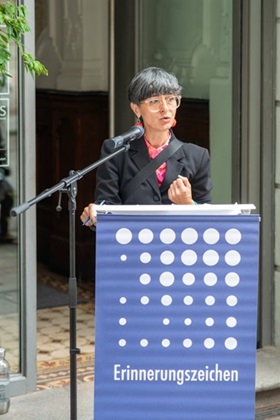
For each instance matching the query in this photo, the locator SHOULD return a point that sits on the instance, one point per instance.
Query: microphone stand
(69, 185)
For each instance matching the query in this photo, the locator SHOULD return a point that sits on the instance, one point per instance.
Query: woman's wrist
(190, 202)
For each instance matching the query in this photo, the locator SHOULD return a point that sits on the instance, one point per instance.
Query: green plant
(15, 26)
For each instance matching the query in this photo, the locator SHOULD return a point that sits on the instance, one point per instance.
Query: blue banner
(176, 314)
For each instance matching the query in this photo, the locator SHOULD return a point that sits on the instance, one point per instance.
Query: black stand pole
(69, 185)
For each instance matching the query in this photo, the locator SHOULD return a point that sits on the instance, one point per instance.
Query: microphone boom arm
(65, 182)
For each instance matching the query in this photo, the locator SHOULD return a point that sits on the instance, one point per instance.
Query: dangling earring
(139, 122)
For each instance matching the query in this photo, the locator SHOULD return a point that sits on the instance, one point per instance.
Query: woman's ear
(135, 109)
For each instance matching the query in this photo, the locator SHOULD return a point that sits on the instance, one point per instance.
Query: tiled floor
(53, 335)
(53, 325)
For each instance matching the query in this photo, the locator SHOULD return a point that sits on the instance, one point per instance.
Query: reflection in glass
(9, 279)
(193, 40)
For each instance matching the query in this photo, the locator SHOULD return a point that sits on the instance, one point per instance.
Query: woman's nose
(163, 104)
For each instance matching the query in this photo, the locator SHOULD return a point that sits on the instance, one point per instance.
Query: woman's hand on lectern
(88, 217)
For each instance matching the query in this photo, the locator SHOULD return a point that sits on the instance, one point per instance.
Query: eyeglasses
(155, 103)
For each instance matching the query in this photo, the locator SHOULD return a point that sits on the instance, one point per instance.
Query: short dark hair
(152, 81)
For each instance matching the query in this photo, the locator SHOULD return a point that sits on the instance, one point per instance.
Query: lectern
(176, 312)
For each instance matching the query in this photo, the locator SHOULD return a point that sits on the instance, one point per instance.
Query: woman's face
(157, 112)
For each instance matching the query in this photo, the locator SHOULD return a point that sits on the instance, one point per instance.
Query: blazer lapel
(173, 169)
(140, 156)
(139, 153)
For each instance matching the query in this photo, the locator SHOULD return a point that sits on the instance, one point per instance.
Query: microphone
(133, 133)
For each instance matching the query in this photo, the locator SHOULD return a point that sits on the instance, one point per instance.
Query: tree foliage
(14, 24)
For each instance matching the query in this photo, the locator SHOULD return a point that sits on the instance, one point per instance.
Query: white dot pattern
(178, 249)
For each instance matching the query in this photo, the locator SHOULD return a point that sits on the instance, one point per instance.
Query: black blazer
(190, 161)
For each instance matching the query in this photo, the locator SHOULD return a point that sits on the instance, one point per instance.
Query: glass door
(192, 39)
(17, 234)
(9, 227)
